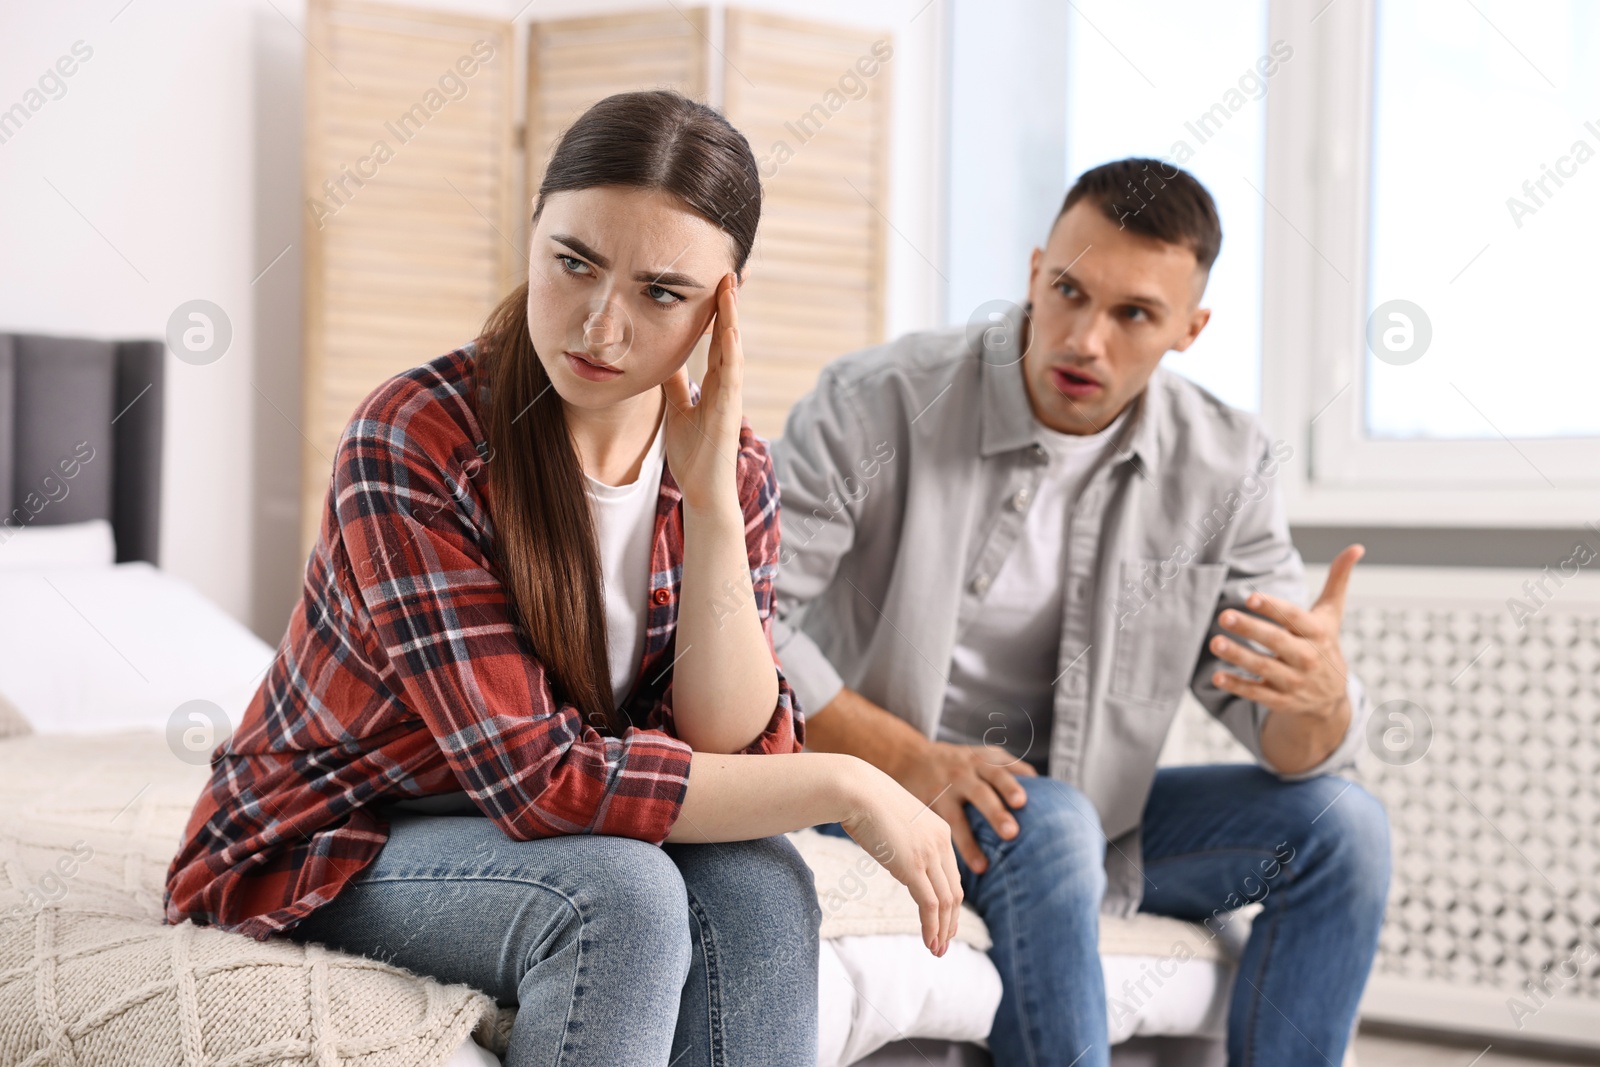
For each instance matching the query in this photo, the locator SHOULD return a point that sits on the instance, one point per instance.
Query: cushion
(73, 544)
(1163, 976)
(877, 988)
(89, 649)
(88, 973)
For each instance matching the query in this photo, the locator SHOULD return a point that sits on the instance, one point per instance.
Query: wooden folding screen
(409, 213)
(416, 222)
(574, 62)
(820, 128)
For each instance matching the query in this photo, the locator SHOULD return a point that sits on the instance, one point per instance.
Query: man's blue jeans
(1314, 853)
(619, 953)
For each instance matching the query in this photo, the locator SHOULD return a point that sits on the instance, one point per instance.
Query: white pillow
(96, 649)
(897, 989)
(71, 544)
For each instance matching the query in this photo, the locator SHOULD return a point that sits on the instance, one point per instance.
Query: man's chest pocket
(1159, 641)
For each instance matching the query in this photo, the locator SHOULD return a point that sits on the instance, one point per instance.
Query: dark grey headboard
(91, 408)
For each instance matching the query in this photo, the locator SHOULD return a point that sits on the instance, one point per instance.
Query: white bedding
(87, 649)
(72, 544)
(880, 988)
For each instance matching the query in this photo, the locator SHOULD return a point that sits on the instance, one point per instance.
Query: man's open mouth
(1072, 382)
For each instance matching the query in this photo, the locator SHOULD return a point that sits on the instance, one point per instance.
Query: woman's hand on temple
(703, 438)
(913, 844)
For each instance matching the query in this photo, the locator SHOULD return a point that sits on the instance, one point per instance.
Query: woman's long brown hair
(544, 530)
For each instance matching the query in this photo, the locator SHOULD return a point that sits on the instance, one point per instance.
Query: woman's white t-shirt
(625, 522)
(625, 526)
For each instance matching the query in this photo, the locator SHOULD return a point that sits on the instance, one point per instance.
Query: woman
(527, 731)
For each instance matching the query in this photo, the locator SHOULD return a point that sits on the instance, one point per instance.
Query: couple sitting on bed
(527, 729)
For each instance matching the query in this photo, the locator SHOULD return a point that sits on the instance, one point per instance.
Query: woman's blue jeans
(617, 952)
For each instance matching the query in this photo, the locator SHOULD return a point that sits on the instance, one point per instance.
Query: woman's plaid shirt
(403, 675)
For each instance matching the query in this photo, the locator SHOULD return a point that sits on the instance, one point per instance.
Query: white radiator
(1485, 749)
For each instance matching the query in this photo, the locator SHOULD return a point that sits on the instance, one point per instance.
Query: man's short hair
(1154, 198)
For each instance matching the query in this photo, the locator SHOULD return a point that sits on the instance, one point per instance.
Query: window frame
(1318, 189)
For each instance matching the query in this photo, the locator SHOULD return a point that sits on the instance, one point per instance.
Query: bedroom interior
(242, 217)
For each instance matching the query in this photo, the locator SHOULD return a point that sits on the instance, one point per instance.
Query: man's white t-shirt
(625, 525)
(1003, 667)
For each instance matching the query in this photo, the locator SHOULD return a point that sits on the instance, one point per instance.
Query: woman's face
(621, 284)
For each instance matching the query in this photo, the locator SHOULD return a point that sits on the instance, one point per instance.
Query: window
(1485, 206)
(1194, 95)
(1427, 339)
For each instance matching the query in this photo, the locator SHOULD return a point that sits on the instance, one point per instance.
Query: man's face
(1108, 303)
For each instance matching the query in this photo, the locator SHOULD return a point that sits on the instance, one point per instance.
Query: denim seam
(1025, 1027)
(1274, 924)
(713, 983)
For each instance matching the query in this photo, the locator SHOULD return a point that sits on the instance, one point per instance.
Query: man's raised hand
(1303, 670)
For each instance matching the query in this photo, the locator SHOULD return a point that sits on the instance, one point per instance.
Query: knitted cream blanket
(89, 974)
(858, 896)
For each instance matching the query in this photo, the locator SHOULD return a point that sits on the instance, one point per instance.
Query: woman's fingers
(730, 378)
(948, 858)
(922, 891)
(941, 887)
(965, 840)
(942, 872)
(677, 390)
(724, 376)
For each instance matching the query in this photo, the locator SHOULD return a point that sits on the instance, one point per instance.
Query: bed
(116, 681)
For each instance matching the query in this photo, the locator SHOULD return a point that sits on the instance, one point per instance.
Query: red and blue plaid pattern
(402, 674)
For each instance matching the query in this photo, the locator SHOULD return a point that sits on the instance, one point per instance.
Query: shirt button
(662, 596)
(980, 584)
(1019, 502)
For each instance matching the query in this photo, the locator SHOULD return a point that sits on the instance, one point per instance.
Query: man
(1007, 551)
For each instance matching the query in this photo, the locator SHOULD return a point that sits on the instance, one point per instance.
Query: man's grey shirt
(904, 478)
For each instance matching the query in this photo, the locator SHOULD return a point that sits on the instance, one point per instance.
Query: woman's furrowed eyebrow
(677, 278)
(682, 281)
(582, 249)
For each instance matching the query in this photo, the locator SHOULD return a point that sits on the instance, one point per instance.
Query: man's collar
(1007, 418)
(1006, 414)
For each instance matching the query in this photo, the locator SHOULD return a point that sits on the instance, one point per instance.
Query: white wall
(127, 196)
(167, 171)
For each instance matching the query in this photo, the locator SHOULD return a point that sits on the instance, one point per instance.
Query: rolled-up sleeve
(1263, 559)
(442, 630)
